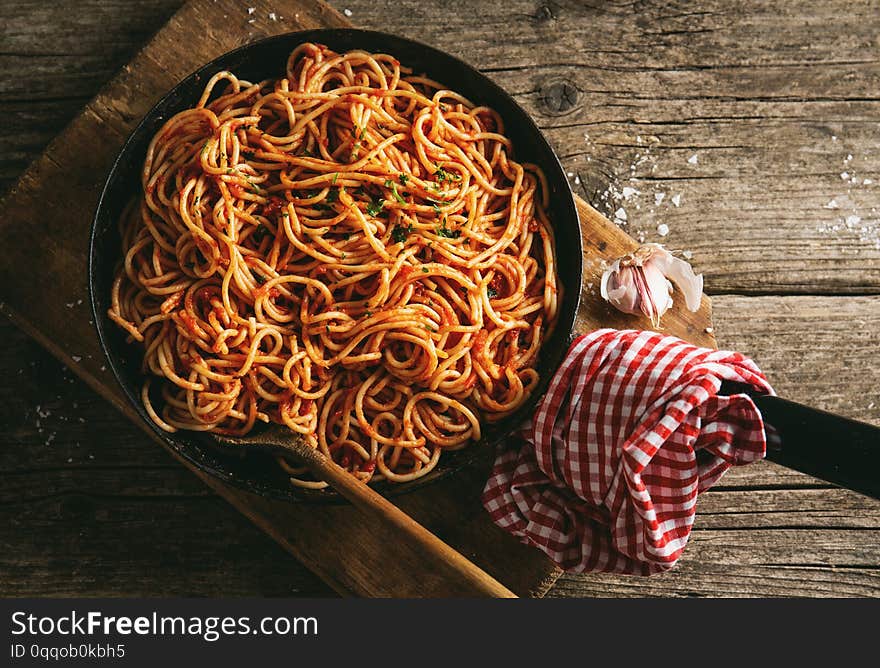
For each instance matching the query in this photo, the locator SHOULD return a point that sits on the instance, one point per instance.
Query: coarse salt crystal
(832, 204)
(848, 158)
(629, 192)
(620, 214)
(76, 358)
(272, 16)
(867, 182)
(347, 12)
(577, 180)
(676, 199)
(693, 159)
(852, 221)
(844, 176)
(663, 229)
(251, 10)
(687, 254)
(658, 198)
(833, 137)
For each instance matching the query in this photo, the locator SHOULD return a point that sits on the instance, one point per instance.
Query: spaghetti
(350, 251)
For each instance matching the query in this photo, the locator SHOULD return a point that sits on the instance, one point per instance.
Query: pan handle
(824, 445)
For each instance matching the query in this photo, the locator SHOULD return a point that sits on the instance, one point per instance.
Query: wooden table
(757, 125)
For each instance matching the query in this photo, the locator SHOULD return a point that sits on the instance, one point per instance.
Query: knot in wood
(545, 13)
(559, 96)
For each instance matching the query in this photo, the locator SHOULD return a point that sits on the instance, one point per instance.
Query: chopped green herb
(388, 183)
(363, 134)
(327, 328)
(403, 179)
(435, 207)
(204, 148)
(375, 206)
(444, 231)
(424, 270)
(335, 176)
(367, 314)
(400, 233)
(396, 194)
(346, 236)
(343, 256)
(442, 175)
(333, 195)
(492, 292)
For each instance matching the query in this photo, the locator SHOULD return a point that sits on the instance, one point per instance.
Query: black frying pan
(267, 59)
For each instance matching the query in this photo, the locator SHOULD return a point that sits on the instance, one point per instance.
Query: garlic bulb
(640, 282)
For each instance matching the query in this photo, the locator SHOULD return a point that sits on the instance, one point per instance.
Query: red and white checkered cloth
(631, 430)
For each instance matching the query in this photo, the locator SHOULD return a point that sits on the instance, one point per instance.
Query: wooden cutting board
(43, 286)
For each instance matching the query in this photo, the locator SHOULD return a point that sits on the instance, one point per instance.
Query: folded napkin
(632, 428)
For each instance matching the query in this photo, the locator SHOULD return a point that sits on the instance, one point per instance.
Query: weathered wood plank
(817, 350)
(690, 579)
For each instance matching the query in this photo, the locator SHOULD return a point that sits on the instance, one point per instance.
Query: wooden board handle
(439, 558)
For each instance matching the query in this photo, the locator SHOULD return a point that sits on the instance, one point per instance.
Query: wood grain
(762, 91)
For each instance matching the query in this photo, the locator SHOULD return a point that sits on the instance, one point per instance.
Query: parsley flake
(396, 194)
(444, 231)
(400, 233)
(375, 206)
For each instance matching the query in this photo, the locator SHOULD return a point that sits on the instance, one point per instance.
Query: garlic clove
(682, 274)
(640, 282)
(618, 287)
(656, 291)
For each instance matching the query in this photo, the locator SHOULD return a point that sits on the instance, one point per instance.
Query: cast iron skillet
(266, 59)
